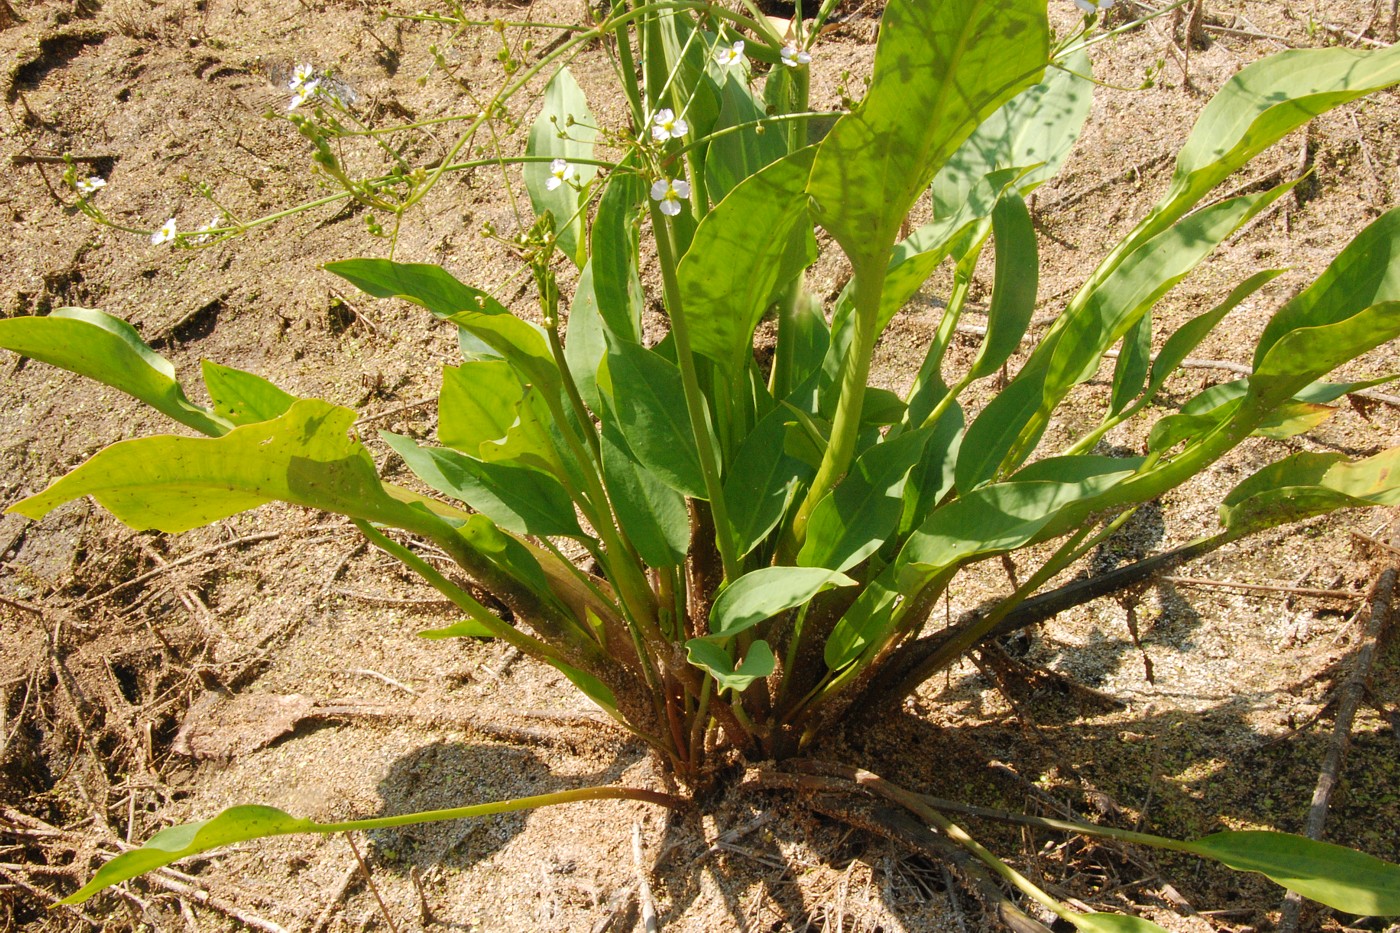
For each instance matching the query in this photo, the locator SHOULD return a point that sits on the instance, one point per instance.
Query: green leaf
(1005, 516)
(243, 398)
(940, 70)
(861, 513)
(653, 515)
(521, 500)
(425, 284)
(761, 594)
(307, 457)
(477, 404)
(521, 342)
(651, 414)
(1187, 337)
(712, 657)
(761, 481)
(613, 244)
(742, 251)
(932, 476)
(1365, 273)
(1308, 484)
(864, 624)
(528, 442)
(1341, 878)
(464, 628)
(1303, 355)
(1260, 105)
(565, 112)
(236, 824)
(1037, 127)
(1013, 287)
(108, 349)
(740, 154)
(1113, 923)
(1131, 368)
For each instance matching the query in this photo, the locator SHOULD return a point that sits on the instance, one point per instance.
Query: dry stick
(25, 158)
(1381, 597)
(408, 406)
(342, 888)
(643, 885)
(1354, 37)
(203, 897)
(1263, 587)
(374, 889)
(166, 568)
(366, 672)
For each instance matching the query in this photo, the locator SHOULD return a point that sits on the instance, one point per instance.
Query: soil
(147, 679)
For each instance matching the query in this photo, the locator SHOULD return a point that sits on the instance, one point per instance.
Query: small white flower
(665, 125)
(560, 172)
(303, 74)
(793, 57)
(165, 234)
(303, 94)
(670, 194)
(729, 55)
(89, 186)
(1094, 6)
(204, 234)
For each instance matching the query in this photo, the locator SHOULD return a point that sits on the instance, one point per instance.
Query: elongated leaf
(651, 414)
(1005, 516)
(940, 70)
(528, 442)
(518, 499)
(1014, 285)
(1257, 107)
(1307, 353)
(761, 594)
(1365, 273)
(521, 342)
(427, 285)
(740, 254)
(864, 624)
(857, 517)
(1037, 127)
(614, 248)
(1186, 338)
(1308, 484)
(307, 457)
(1113, 923)
(565, 129)
(1341, 878)
(243, 398)
(1131, 368)
(652, 514)
(463, 628)
(106, 348)
(932, 476)
(740, 154)
(761, 481)
(708, 655)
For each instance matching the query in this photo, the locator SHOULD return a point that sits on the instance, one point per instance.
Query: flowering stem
(694, 399)
(869, 285)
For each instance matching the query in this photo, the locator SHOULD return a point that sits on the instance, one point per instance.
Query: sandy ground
(287, 652)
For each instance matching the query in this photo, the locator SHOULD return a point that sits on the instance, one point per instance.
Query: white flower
(559, 173)
(204, 234)
(665, 125)
(165, 234)
(729, 55)
(1094, 6)
(793, 57)
(303, 74)
(670, 193)
(90, 185)
(303, 94)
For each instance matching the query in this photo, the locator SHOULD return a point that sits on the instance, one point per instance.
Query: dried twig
(1263, 588)
(1380, 604)
(643, 885)
(407, 406)
(364, 671)
(204, 898)
(342, 888)
(369, 880)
